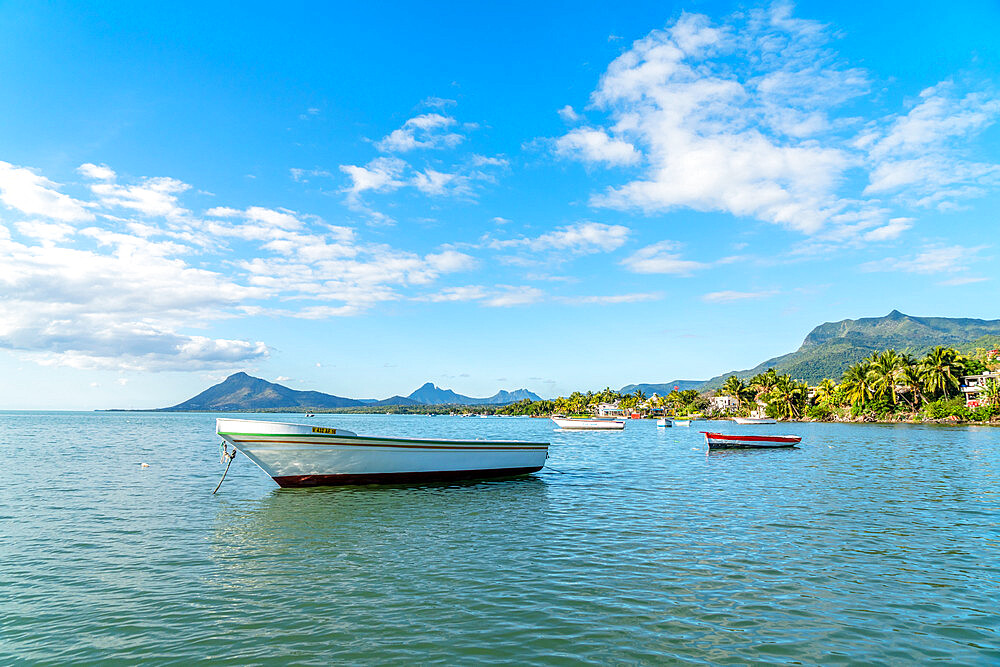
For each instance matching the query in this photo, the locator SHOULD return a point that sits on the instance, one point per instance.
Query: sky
(358, 198)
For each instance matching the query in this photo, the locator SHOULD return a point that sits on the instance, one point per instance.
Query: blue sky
(361, 199)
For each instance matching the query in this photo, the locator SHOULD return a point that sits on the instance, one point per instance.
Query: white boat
(664, 422)
(722, 441)
(588, 424)
(682, 422)
(296, 455)
(746, 421)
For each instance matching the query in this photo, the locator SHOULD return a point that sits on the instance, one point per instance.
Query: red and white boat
(298, 455)
(723, 441)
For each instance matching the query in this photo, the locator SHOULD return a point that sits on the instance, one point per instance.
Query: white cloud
(466, 293)
(46, 232)
(728, 296)
(662, 257)
(125, 292)
(892, 230)
(438, 102)
(568, 114)
(380, 175)
(451, 261)
(918, 157)
(123, 309)
(964, 280)
(434, 182)
(155, 197)
(741, 117)
(612, 299)
(933, 259)
(580, 239)
(26, 191)
(514, 296)
(428, 130)
(589, 145)
(97, 172)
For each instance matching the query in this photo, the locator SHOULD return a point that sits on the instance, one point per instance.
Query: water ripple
(867, 544)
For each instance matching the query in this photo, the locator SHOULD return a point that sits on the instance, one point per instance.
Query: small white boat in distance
(295, 455)
(664, 422)
(682, 422)
(746, 421)
(588, 424)
(722, 441)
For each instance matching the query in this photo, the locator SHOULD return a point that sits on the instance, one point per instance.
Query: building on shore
(609, 410)
(722, 404)
(973, 387)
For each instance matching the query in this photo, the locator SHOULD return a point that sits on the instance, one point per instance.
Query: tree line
(886, 385)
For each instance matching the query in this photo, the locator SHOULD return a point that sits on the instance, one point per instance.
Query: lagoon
(870, 543)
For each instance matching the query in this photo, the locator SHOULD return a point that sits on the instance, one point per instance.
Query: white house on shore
(722, 403)
(609, 410)
(973, 387)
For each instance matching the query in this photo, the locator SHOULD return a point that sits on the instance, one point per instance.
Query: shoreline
(430, 413)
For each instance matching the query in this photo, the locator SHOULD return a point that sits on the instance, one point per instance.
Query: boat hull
(665, 423)
(295, 455)
(588, 424)
(748, 421)
(301, 481)
(682, 422)
(723, 441)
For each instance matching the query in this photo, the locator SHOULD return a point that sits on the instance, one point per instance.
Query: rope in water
(554, 470)
(230, 457)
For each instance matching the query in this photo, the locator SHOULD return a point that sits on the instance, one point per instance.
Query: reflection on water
(864, 544)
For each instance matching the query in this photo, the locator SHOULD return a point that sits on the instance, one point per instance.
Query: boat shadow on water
(739, 452)
(336, 522)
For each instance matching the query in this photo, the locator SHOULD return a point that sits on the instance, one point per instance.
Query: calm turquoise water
(867, 544)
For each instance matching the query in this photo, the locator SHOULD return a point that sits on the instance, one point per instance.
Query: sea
(873, 544)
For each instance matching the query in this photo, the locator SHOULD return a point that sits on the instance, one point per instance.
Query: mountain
(662, 389)
(507, 397)
(244, 392)
(430, 394)
(397, 400)
(831, 347)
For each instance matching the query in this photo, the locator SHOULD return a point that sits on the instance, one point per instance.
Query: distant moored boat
(588, 423)
(722, 441)
(746, 421)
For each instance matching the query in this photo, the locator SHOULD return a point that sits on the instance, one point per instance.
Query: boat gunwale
(375, 439)
(752, 438)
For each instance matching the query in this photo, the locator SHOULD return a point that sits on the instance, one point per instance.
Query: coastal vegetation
(884, 386)
(677, 402)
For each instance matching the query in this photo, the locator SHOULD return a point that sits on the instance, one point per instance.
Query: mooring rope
(231, 457)
(554, 470)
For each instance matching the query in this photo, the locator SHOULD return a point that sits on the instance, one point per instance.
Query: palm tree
(941, 366)
(736, 388)
(991, 392)
(856, 383)
(912, 379)
(762, 383)
(787, 397)
(732, 386)
(883, 372)
(824, 392)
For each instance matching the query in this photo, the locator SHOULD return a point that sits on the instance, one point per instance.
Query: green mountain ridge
(830, 348)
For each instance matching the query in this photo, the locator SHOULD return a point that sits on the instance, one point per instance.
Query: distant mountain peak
(831, 347)
(243, 392)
